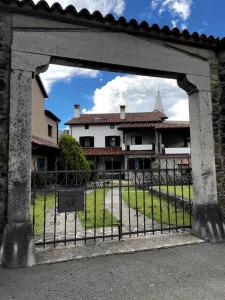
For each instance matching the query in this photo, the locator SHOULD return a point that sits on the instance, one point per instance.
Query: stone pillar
(18, 247)
(217, 73)
(207, 221)
(5, 48)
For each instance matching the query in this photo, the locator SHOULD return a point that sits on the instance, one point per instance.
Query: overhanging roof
(51, 115)
(41, 85)
(114, 118)
(173, 125)
(163, 125)
(43, 142)
(96, 19)
(102, 151)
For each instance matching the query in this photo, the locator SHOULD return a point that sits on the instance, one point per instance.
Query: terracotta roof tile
(173, 125)
(172, 156)
(139, 152)
(42, 142)
(114, 118)
(137, 125)
(114, 151)
(102, 151)
(163, 125)
(96, 18)
(117, 151)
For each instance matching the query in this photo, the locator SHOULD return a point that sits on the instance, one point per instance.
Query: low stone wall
(5, 48)
(162, 177)
(180, 202)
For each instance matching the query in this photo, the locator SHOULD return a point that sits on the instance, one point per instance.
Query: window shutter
(107, 141)
(91, 141)
(81, 139)
(117, 141)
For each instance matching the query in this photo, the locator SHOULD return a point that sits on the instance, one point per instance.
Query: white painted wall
(181, 150)
(148, 136)
(141, 147)
(98, 131)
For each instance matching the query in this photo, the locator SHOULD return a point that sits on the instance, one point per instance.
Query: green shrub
(72, 158)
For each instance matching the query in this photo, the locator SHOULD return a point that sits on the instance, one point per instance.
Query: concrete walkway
(132, 219)
(188, 272)
(70, 221)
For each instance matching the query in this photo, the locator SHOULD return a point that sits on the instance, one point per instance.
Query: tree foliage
(72, 158)
(71, 155)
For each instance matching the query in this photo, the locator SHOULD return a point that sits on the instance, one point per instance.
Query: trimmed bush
(72, 158)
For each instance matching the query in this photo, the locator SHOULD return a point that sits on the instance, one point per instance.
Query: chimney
(122, 112)
(77, 111)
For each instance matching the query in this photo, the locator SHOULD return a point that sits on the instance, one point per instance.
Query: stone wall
(217, 65)
(5, 45)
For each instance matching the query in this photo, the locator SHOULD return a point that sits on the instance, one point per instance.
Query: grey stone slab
(128, 245)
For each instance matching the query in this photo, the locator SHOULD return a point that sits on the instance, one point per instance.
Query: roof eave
(41, 85)
(52, 116)
(70, 15)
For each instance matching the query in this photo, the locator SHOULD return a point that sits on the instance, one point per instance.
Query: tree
(72, 158)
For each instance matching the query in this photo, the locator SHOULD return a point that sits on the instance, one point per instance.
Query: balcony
(141, 147)
(180, 150)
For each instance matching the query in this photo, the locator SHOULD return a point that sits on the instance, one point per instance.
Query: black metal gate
(82, 206)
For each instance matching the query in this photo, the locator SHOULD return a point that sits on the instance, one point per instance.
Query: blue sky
(104, 91)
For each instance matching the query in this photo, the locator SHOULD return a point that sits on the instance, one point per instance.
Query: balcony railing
(141, 147)
(180, 150)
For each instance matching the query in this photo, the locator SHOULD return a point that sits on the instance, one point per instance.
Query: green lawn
(37, 211)
(178, 189)
(160, 212)
(96, 216)
(103, 218)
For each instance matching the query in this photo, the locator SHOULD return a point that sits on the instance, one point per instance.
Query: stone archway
(38, 40)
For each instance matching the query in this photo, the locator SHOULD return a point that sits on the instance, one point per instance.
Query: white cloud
(183, 26)
(174, 23)
(104, 6)
(155, 4)
(180, 9)
(57, 73)
(138, 94)
(179, 111)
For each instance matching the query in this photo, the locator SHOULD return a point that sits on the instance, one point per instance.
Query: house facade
(130, 140)
(44, 130)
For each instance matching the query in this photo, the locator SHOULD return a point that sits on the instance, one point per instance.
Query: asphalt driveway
(188, 272)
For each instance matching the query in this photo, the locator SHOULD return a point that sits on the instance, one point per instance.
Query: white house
(129, 140)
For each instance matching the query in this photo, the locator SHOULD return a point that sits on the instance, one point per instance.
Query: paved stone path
(132, 219)
(70, 221)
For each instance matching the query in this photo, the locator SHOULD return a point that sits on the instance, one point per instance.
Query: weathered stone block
(18, 248)
(5, 50)
(3, 84)
(208, 223)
